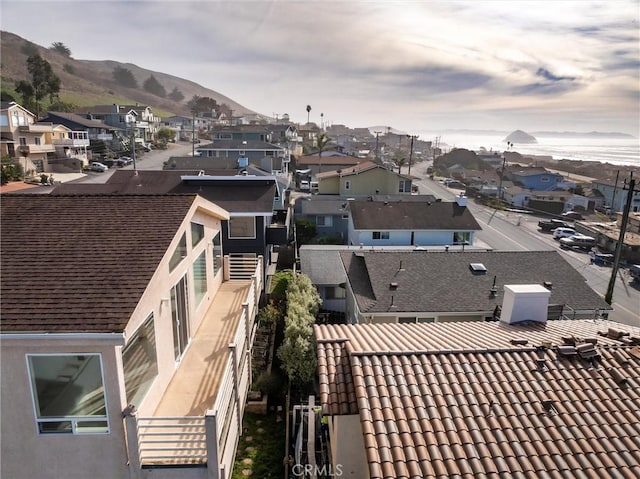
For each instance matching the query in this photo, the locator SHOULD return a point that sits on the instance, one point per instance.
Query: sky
(417, 65)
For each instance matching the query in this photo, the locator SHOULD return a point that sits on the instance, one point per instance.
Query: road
(500, 231)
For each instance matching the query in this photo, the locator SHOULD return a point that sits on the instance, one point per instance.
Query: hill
(90, 82)
(520, 136)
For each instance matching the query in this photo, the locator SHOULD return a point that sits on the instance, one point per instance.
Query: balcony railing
(209, 440)
(75, 142)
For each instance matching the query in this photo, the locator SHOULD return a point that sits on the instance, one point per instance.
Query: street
(500, 230)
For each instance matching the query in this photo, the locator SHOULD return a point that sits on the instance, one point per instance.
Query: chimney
(525, 302)
(461, 200)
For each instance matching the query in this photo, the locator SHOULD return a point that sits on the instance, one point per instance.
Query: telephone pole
(623, 228)
(411, 153)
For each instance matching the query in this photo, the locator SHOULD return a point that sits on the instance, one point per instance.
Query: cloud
(544, 73)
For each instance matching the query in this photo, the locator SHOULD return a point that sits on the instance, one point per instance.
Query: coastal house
(432, 286)
(127, 118)
(512, 398)
(238, 154)
(615, 195)
(411, 223)
(534, 178)
(126, 338)
(330, 214)
(96, 130)
(24, 139)
(363, 179)
(327, 162)
(252, 229)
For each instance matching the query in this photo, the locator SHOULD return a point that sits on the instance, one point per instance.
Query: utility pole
(623, 228)
(411, 153)
(133, 146)
(615, 187)
(377, 156)
(504, 162)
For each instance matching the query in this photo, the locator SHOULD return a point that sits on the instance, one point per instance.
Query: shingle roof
(317, 205)
(410, 215)
(239, 145)
(322, 264)
(236, 195)
(479, 400)
(327, 161)
(55, 116)
(443, 282)
(357, 169)
(74, 264)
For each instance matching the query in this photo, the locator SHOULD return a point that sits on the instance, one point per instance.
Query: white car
(100, 167)
(563, 233)
(304, 185)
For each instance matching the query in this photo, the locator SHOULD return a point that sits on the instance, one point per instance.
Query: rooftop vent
(477, 267)
(548, 285)
(201, 173)
(393, 285)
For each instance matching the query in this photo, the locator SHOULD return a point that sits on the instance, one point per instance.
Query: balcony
(101, 136)
(199, 418)
(74, 143)
(33, 148)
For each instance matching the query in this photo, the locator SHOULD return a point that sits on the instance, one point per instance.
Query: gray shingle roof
(443, 281)
(76, 264)
(239, 145)
(322, 264)
(409, 215)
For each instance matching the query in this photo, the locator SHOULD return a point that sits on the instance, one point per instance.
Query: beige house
(126, 337)
(364, 179)
(23, 139)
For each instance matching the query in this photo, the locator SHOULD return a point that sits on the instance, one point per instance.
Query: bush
(69, 69)
(269, 383)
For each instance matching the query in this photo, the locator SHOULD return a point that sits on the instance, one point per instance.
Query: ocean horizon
(616, 151)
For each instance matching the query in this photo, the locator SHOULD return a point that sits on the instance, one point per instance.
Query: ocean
(617, 151)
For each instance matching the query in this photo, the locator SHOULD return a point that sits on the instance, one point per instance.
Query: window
(426, 320)
(179, 254)
(217, 254)
(242, 227)
(23, 141)
(347, 184)
(404, 186)
(4, 120)
(324, 221)
(200, 277)
(407, 320)
(197, 233)
(461, 237)
(36, 140)
(544, 179)
(68, 393)
(140, 362)
(335, 292)
(380, 235)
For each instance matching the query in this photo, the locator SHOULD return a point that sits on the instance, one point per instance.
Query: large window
(380, 235)
(200, 277)
(140, 362)
(324, 220)
(461, 237)
(405, 186)
(197, 233)
(68, 393)
(179, 253)
(217, 253)
(242, 227)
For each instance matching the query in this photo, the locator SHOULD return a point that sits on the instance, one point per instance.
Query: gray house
(236, 153)
(330, 215)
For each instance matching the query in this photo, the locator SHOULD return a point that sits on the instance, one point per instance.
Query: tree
(200, 104)
(297, 351)
(165, 135)
(153, 86)
(176, 95)
(43, 82)
(308, 111)
(124, 77)
(401, 162)
(62, 106)
(60, 48)
(6, 96)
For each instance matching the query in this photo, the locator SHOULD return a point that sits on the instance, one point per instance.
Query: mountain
(90, 82)
(521, 137)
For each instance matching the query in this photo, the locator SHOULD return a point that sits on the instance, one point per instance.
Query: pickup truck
(550, 225)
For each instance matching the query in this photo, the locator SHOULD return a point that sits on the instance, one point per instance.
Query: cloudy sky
(413, 65)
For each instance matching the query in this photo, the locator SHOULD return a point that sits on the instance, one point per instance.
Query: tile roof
(481, 400)
(443, 282)
(236, 195)
(410, 215)
(81, 264)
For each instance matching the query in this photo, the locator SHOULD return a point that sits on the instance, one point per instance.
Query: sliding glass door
(180, 316)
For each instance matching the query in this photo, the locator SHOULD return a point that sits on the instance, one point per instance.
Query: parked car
(573, 215)
(99, 167)
(634, 271)
(108, 163)
(563, 233)
(304, 185)
(578, 242)
(124, 160)
(552, 224)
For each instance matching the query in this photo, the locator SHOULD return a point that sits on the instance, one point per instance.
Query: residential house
(329, 213)
(411, 223)
(23, 139)
(420, 286)
(534, 178)
(607, 235)
(252, 229)
(69, 143)
(96, 130)
(237, 154)
(323, 265)
(526, 399)
(364, 179)
(137, 118)
(125, 338)
(615, 195)
(327, 162)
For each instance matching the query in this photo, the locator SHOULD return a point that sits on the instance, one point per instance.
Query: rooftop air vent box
(477, 268)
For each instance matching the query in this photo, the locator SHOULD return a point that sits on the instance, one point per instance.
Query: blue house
(534, 178)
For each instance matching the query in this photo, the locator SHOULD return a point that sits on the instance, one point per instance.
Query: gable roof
(411, 215)
(56, 116)
(81, 263)
(358, 169)
(479, 400)
(452, 287)
(318, 205)
(234, 193)
(328, 160)
(239, 145)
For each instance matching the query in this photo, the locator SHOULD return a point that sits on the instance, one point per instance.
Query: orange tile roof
(482, 400)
